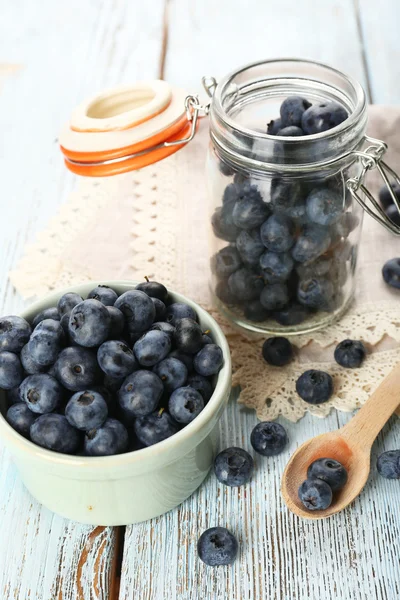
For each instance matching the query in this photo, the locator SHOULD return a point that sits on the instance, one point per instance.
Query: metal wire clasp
(371, 158)
(194, 112)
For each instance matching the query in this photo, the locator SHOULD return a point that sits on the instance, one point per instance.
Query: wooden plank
(59, 54)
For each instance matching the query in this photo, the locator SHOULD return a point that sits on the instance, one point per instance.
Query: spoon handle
(367, 423)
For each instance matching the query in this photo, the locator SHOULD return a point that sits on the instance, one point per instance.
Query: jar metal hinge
(371, 158)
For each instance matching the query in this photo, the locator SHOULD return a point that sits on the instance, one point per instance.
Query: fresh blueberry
(225, 168)
(293, 314)
(185, 404)
(47, 313)
(13, 396)
(217, 546)
(388, 464)
(385, 196)
(274, 296)
(154, 290)
(104, 294)
(202, 385)
(154, 428)
(350, 353)
(52, 431)
(46, 342)
(206, 339)
(180, 310)
(268, 438)
(209, 360)
(277, 233)
(187, 359)
(29, 365)
(250, 246)
(314, 387)
(20, 418)
(188, 336)
(347, 223)
(140, 393)
(42, 393)
(276, 267)
(322, 117)
(226, 262)
(111, 438)
(274, 126)
(313, 241)
(315, 494)
(231, 192)
(77, 369)
(318, 268)
(245, 285)
(163, 326)
(277, 351)
(138, 310)
(11, 373)
(14, 333)
(116, 359)
(250, 210)
(89, 323)
(292, 110)
(233, 466)
(291, 131)
(223, 293)
(393, 213)
(117, 322)
(86, 410)
(254, 311)
(324, 206)
(287, 198)
(161, 309)
(113, 384)
(391, 272)
(152, 347)
(67, 302)
(223, 224)
(329, 470)
(315, 293)
(172, 372)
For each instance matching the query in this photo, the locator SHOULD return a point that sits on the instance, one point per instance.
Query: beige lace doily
(155, 222)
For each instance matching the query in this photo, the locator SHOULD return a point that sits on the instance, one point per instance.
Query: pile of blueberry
(324, 476)
(289, 254)
(108, 374)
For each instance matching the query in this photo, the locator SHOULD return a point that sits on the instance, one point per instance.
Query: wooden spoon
(350, 445)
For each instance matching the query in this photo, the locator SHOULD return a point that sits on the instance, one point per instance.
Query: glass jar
(285, 222)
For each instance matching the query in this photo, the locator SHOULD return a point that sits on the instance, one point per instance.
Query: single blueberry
(13, 396)
(226, 261)
(223, 293)
(287, 198)
(46, 342)
(117, 322)
(20, 418)
(274, 126)
(77, 369)
(385, 196)
(161, 309)
(324, 206)
(231, 193)
(89, 323)
(291, 131)
(393, 213)
(274, 296)
(154, 290)
(276, 267)
(138, 310)
(179, 310)
(152, 347)
(104, 294)
(277, 233)
(322, 117)
(187, 359)
(268, 438)
(86, 410)
(11, 373)
(254, 311)
(250, 210)
(388, 464)
(30, 366)
(293, 314)
(233, 466)
(391, 272)
(185, 404)
(163, 326)
(188, 336)
(245, 285)
(116, 359)
(14, 334)
(313, 241)
(314, 387)
(47, 313)
(67, 302)
(223, 224)
(250, 247)
(172, 372)
(202, 385)
(217, 546)
(42, 393)
(277, 351)
(350, 353)
(111, 438)
(140, 393)
(292, 110)
(315, 494)
(329, 470)
(52, 431)
(209, 360)
(315, 293)
(225, 168)
(154, 428)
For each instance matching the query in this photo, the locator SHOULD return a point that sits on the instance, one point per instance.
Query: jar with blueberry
(286, 167)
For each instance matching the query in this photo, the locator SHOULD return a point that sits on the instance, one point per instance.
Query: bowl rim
(134, 456)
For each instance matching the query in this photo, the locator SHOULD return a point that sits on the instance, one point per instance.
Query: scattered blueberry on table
(269, 438)
(388, 464)
(350, 353)
(217, 546)
(102, 375)
(314, 387)
(233, 466)
(391, 272)
(277, 351)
